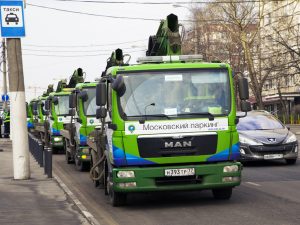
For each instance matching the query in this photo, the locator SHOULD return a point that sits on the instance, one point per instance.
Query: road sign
(5, 98)
(12, 19)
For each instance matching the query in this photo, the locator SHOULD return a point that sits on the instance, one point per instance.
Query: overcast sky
(85, 35)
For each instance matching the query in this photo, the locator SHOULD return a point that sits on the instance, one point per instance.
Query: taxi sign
(12, 19)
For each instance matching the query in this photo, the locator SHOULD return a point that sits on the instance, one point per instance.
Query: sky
(53, 36)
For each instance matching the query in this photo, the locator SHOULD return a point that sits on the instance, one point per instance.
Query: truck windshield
(183, 94)
(62, 108)
(43, 106)
(89, 106)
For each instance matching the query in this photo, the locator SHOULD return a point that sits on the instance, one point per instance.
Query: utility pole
(4, 72)
(18, 110)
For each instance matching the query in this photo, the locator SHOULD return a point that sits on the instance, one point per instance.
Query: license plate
(179, 172)
(273, 156)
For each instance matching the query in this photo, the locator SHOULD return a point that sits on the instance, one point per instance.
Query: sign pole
(12, 28)
(18, 110)
(4, 73)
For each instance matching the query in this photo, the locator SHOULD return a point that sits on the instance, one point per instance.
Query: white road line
(255, 184)
(81, 207)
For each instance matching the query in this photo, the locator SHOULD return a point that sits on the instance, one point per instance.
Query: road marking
(81, 207)
(255, 184)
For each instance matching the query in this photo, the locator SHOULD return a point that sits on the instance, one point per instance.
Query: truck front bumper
(84, 154)
(207, 176)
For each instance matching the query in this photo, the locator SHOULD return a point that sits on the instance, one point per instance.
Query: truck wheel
(78, 164)
(291, 161)
(81, 166)
(222, 193)
(116, 198)
(68, 158)
(67, 154)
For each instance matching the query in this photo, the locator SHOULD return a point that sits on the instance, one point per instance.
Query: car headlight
(290, 138)
(248, 141)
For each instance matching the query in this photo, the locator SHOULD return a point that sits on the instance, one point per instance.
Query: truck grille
(186, 146)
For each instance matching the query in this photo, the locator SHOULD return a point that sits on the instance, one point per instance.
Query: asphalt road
(269, 194)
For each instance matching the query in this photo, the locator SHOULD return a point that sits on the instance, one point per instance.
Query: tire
(222, 193)
(95, 174)
(68, 158)
(115, 198)
(291, 161)
(81, 166)
(78, 164)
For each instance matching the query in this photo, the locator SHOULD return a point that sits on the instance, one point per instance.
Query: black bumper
(265, 152)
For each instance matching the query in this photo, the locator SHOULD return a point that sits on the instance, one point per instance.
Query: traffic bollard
(48, 161)
(41, 155)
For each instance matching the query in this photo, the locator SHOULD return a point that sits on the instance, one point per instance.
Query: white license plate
(179, 172)
(273, 156)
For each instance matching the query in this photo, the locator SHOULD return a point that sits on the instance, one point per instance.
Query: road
(269, 194)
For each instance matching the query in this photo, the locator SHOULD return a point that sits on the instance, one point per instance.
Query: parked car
(263, 137)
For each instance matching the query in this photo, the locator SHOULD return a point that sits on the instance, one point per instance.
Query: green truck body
(84, 123)
(59, 116)
(168, 123)
(153, 150)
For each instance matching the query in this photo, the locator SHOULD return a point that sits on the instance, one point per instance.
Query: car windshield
(259, 122)
(89, 106)
(176, 93)
(62, 108)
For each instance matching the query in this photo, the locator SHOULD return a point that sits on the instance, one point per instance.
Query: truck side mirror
(47, 105)
(55, 100)
(101, 94)
(118, 85)
(84, 96)
(35, 106)
(243, 88)
(72, 101)
(72, 112)
(27, 110)
(101, 112)
(245, 106)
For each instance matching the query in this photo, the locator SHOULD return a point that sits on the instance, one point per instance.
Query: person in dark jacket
(6, 118)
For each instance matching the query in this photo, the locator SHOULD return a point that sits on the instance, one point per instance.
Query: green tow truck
(57, 109)
(83, 110)
(167, 123)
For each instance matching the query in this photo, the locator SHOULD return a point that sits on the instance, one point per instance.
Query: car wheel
(291, 161)
(222, 193)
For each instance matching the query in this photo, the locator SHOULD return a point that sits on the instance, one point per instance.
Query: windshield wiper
(142, 121)
(210, 116)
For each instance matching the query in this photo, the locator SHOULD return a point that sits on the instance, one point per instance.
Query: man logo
(178, 144)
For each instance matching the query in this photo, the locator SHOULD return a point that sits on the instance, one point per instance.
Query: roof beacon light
(170, 59)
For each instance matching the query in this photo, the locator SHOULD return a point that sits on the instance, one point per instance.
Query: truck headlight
(127, 184)
(231, 169)
(125, 174)
(291, 138)
(57, 139)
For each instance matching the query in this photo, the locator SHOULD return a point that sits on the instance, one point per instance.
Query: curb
(91, 219)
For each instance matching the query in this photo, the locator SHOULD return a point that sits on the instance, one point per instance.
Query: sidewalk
(36, 201)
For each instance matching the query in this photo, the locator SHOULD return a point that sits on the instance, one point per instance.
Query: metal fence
(289, 119)
(41, 153)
